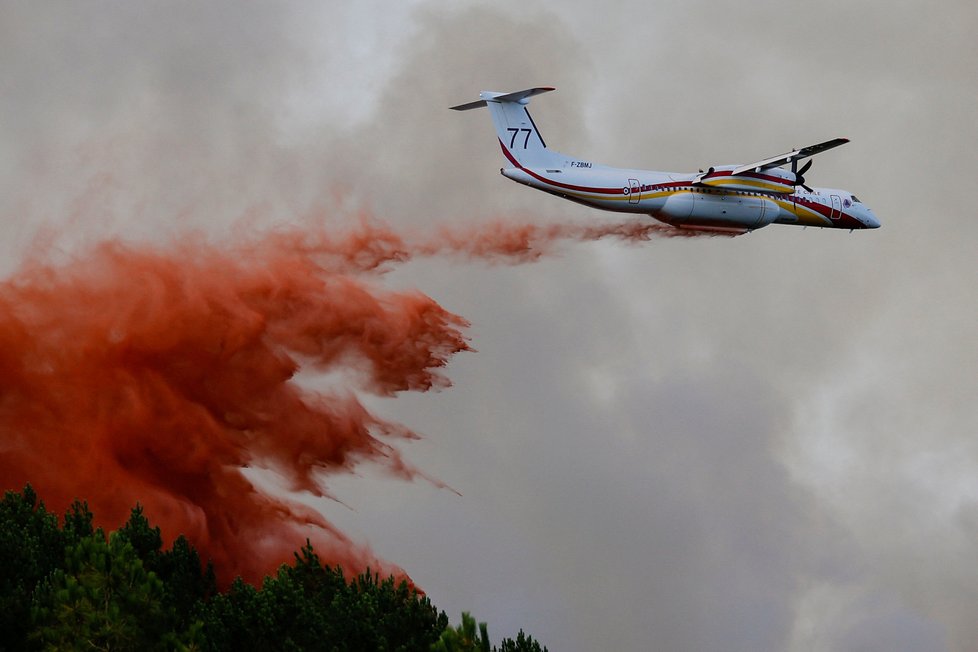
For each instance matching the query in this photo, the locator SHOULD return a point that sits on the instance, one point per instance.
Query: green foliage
(523, 643)
(463, 638)
(179, 569)
(309, 606)
(187, 584)
(72, 588)
(146, 541)
(103, 599)
(78, 523)
(31, 546)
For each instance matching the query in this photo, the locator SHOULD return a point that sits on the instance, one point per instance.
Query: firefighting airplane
(731, 199)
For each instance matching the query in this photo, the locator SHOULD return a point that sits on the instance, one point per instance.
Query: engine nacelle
(776, 180)
(714, 209)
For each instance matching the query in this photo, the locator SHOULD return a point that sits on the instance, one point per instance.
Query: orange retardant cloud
(158, 374)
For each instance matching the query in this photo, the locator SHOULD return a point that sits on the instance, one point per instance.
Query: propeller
(800, 174)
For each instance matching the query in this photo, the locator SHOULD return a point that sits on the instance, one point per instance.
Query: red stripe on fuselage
(844, 220)
(557, 184)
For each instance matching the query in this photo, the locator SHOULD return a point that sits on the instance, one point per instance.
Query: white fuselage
(731, 198)
(687, 200)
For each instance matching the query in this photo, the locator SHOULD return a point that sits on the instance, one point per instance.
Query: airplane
(729, 199)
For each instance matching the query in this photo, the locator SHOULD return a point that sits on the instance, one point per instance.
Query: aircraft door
(836, 207)
(634, 191)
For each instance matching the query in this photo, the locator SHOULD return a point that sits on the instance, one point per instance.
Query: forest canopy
(65, 584)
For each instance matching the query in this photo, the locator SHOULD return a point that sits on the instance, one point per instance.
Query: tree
(73, 588)
(309, 606)
(463, 638)
(523, 643)
(146, 541)
(236, 619)
(31, 546)
(103, 599)
(185, 581)
(77, 523)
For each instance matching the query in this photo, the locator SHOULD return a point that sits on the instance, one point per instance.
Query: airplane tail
(519, 137)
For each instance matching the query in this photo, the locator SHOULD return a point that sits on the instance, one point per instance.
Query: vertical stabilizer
(518, 135)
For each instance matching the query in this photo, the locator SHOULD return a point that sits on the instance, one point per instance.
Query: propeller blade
(800, 174)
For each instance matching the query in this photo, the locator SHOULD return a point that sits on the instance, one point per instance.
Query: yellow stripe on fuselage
(647, 194)
(739, 181)
(805, 215)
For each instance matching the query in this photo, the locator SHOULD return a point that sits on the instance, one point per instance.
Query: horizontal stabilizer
(518, 96)
(796, 155)
(478, 104)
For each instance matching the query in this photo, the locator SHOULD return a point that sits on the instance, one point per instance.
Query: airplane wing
(798, 154)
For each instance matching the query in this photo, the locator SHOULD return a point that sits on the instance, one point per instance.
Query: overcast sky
(761, 443)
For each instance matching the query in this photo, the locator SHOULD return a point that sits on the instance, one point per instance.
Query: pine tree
(31, 546)
(463, 638)
(103, 599)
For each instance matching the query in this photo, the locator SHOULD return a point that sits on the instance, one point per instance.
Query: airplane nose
(868, 219)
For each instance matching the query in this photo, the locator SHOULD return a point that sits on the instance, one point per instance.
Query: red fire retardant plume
(157, 375)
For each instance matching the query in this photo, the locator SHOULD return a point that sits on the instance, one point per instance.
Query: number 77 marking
(526, 140)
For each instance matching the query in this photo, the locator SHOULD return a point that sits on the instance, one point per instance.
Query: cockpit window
(856, 200)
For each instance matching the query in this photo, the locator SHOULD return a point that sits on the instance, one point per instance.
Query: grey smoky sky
(764, 443)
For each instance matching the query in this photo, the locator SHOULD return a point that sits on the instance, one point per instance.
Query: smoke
(159, 374)
(523, 241)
